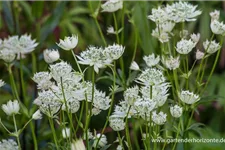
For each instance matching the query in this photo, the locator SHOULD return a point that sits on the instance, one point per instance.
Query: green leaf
(7, 14)
(209, 99)
(26, 7)
(105, 147)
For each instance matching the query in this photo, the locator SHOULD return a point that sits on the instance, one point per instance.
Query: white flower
(119, 147)
(8, 145)
(211, 47)
(159, 118)
(131, 95)
(110, 30)
(151, 60)
(102, 141)
(7, 55)
(151, 76)
(195, 37)
(134, 66)
(101, 101)
(166, 26)
(171, 63)
(188, 97)
(43, 80)
(184, 34)
(163, 37)
(182, 11)
(69, 42)
(185, 46)
(51, 56)
(112, 5)
(37, 115)
(215, 15)
(217, 27)
(199, 55)
(78, 145)
(176, 111)
(73, 105)
(116, 123)
(66, 133)
(2, 83)
(114, 51)
(158, 15)
(144, 107)
(94, 56)
(11, 108)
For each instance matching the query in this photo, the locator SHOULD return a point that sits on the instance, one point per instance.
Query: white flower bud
(116, 123)
(134, 66)
(195, 37)
(37, 115)
(188, 97)
(11, 108)
(68, 43)
(217, 27)
(78, 145)
(112, 5)
(215, 15)
(51, 56)
(199, 55)
(176, 111)
(159, 118)
(185, 46)
(66, 133)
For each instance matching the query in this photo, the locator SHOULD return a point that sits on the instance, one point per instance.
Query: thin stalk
(176, 80)
(127, 130)
(187, 72)
(13, 84)
(53, 132)
(17, 134)
(120, 140)
(178, 132)
(75, 58)
(143, 137)
(80, 116)
(34, 136)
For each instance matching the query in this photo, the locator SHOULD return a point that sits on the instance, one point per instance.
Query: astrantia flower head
(171, 63)
(78, 145)
(7, 55)
(134, 66)
(101, 101)
(8, 145)
(211, 47)
(144, 107)
(163, 37)
(159, 118)
(199, 55)
(43, 80)
(2, 83)
(182, 11)
(102, 141)
(215, 15)
(185, 46)
(11, 108)
(176, 111)
(151, 76)
(69, 42)
(51, 55)
(116, 123)
(66, 133)
(73, 105)
(217, 27)
(195, 37)
(131, 95)
(151, 60)
(188, 97)
(158, 15)
(94, 56)
(112, 5)
(114, 51)
(37, 115)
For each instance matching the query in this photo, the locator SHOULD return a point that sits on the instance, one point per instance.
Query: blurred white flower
(37, 115)
(184, 34)
(134, 66)
(119, 147)
(114, 51)
(2, 83)
(166, 26)
(151, 60)
(195, 37)
(199, 55)
(176, 111)
(69, 42)
(102, 141)
(159, 118)
(51, 55)
(116, 123)
(131, 95)
(158, 15)
(7, 55)
(110, 30)
(78, 145)
(112, 5)
(8, 145)
(185, 46)
(171, 62)
(211, 46)
(188, 97)
(66, 133)
(215, 15)
(11, 108)
(163, 37)
(73, 105)
(217, 27)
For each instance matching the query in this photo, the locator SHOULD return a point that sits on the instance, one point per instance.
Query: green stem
(17, 134)
(120, 140)
(13, 84)
(127, 130)
(178, 132)
(187, 72)
(34, 136)
(75, 58)
(53, 132)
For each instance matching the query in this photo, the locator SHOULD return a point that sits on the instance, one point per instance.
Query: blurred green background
(47, 22)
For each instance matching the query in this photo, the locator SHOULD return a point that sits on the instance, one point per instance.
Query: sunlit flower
(211, 46)
(8, 145)
(171, 62)
(69, 42)
(112, 5)
(51, 56)
(11, 108)
(176, 111)
(37, 115)
(159, 118)
(185, 46)
(188, 97)
(151, 60)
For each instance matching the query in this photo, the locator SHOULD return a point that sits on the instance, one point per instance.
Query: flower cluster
(8, 145)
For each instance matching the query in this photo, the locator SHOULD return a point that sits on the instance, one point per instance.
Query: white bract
(66, 133)
(159, 118)
(78, 145)
(195, 37)
(176, 111)
(11, 108)
(116, 123)
(37, 115)
(188, 97)
(51, 55)
(171, 62)
(215, 15)
(69, 42)
(211, 46)
(185, 46)
(114, 51)
(112, 5)
(151, 60)
(102, 141)
(134, 66)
